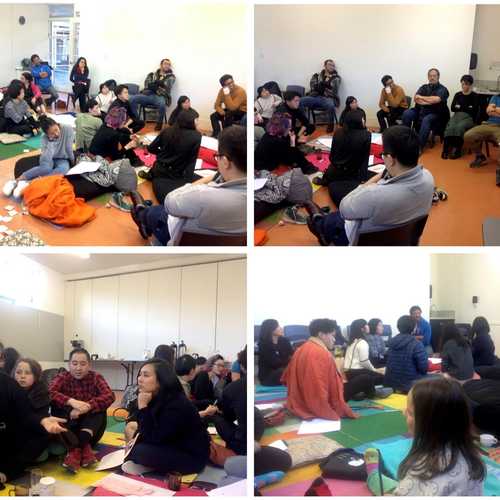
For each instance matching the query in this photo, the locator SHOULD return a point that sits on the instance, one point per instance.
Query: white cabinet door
(105, 317)
(69, 316)
(164, 303)
(230, 335)
(132, 315)
(82, 325)
(198, 308)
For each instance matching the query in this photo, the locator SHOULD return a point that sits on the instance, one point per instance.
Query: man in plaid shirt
(82, 396)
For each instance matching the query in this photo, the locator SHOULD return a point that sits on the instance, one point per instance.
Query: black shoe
(139, 205)
(456, 154)
(136, 162)
(315, 216)
(145, 174)
(478, 161)
(444, 155)
(329, 128)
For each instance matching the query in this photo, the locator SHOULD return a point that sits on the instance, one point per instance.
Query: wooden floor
(473, 196)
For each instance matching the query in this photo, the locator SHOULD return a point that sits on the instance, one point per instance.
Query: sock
(377, 482)
(318, 488)
(84, 438)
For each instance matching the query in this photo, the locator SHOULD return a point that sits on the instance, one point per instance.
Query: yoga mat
(338, 487)
(34, 142)
(396, 401)
(269, 398)
(270, 388)
(11, 150)
(307, 473)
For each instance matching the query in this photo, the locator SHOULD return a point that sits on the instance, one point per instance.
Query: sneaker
(118, 201)
(292, 215)
(318, 180)
(9, 187)
(478, 161)
(73, 460)
(88, 456)
(134, 469)
(383, 392)
(18, 191)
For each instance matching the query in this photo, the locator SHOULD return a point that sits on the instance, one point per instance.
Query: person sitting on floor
(275, 352)
(349, 157)
(483, 347)
(42, 73)
(213, 205)
(430, 108)
(112, 141)
(105, 98)
(208, 384)
(79, 76)
(171, 435)
(402, 195)
(230, 105)
(422, 328)
(82, 396)
(315, 386)
(376, 343)
(176, 149)
(32, 94)
(465, 106)
(357, 362)
(231, 422)
(444, 458)
(133, 123)
(17, 113)
(351, 104)
(392, 103)
(87, 126)
(301, 126)
(157, 92)
(23, 432)
(407, 359)
(456, 355)
(487, 131)
(278, 147)
(266, 104)
(183, 104)
(324, 92)
(56, 158)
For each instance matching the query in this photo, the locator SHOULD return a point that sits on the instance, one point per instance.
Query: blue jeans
(333, 228)
(53, 93)
(412, 116)
(320, 102)
(59, 166)
(156, 221)
(150, 100)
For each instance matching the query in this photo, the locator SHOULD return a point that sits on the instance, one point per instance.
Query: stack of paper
(318, 426)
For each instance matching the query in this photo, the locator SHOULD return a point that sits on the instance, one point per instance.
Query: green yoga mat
(11, 150)
(34, 142)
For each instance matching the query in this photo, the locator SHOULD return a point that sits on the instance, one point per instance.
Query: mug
(47, 486)
(174, 481)
(488, 440)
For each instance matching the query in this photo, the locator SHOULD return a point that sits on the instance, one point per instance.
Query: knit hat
(126, 181)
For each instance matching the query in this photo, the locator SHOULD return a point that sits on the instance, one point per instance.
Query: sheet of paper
(6, 219)
(435, 361)
(269, 406)
(3, 229)
(259, 183)
(318, 426)
(199, 164)
(210, 143)
(126, 486)
(12, 213)
(111, 460)
(83, 167)
(63, 119)
(9, 208)
(238, 489)
(376, 138)
(377, 168)
(149, 138)
(326, 141)
(212, 431)
(280, 444)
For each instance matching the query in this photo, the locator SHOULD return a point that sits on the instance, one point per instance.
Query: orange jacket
(53, 198)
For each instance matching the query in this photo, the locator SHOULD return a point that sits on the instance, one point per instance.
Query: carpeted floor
(473, 196)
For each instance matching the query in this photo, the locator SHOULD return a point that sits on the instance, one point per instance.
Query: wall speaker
(473, 61)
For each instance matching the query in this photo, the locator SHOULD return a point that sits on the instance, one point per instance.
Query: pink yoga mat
(338, 487)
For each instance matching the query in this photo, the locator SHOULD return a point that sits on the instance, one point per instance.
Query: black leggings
(80, 93)
(95, 422)
(273, 377)
(361, 381)
(269, 459)
(26, 126)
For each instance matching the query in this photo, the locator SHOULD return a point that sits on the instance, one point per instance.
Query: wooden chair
(212, 240)
(405, 235)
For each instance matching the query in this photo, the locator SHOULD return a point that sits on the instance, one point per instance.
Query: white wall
(203, 42)
(456, 278)
(366, 42)
(295, 288)
(486, 42)
(18, 41)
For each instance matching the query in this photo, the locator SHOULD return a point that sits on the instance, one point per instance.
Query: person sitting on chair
(351, 104)
(430, 101)
(42, 73)
(301, 126)
(81, 83)
(421, 328)
(157, 92)
(87, 126)
(33, 94)
(82, 396)
(265, 104)
(230, 105)
(324, 92)
(19, 119)
(392, 103)
(133, 123)
(400, 194)
(465, 106)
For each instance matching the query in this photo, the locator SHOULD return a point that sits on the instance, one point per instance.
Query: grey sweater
(388, 203)
(16, 110)
(457, 360)
(61, 148)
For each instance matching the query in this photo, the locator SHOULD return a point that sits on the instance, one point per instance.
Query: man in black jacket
(301, 126)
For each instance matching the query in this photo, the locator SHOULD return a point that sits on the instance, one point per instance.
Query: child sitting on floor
(443, 460)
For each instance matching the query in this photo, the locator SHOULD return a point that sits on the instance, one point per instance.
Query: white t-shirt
(105, 101)
(357, 356)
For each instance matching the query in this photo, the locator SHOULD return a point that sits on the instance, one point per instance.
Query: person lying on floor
(56, 158)
(315, 386)
(278, 147)
(376, 342)
(231, 422)
(17, 113)
(400, 194)
(407, 360)
(213, 205)
(87, 125)
(171, 435)
(444, 459)
(275, 352)
(301, 126)
(357, 362)
(351, 104)
(33, 94)
(208, 384)
(82, 396)
(176, 149)
(456, 355)
(113, 141)
(183, 104)
(22, 431)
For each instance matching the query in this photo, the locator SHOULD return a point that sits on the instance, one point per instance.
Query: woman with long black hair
(81, 83)
(183, 104)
